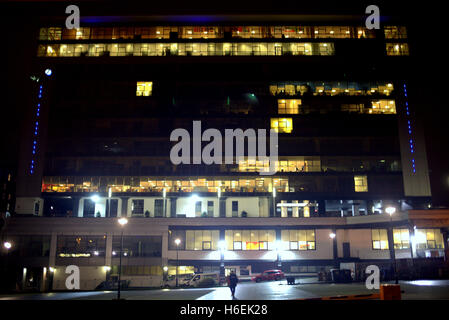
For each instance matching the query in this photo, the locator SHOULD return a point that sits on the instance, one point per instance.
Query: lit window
(282, 125)
(401, 238)
(288, 106)
(298, 240)
(379, 239)
(393, 32)
(383, 106)
(397, 49)
(144, 89)
(429, 239)
(250, 239)
(361, 183)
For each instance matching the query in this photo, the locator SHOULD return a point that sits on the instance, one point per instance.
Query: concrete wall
(90, 277)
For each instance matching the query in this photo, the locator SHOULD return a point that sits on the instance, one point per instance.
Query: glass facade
(250, 239)
(215, 32)
(429, 239)
(379, 239)
(75, 246)
(337, 88)
(298, 240)
(186, 49)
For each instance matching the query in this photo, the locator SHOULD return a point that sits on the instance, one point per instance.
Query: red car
(269, 275)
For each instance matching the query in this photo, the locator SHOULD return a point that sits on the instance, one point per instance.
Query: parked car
(113, 285)
(170, 281)
(198, 279)
(269, 275)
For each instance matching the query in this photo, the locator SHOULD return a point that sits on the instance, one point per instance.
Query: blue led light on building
(410, 133)
(36, 126)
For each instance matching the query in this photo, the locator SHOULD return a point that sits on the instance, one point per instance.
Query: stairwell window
(360, 183)
(144, 89)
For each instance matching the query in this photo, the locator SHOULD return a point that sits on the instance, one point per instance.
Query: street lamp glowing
(332, 235)
(7, 245)
(48, 72)
(177, 241)
(95, 198)
(165, 268)
(222, 245)
(122, 221)
(390, 210)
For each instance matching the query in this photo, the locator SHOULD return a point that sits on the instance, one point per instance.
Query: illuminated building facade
(98, 148)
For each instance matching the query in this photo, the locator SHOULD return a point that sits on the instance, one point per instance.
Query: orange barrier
(390, 292)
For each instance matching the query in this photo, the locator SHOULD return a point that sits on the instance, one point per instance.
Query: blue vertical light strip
(36, 130)
(410, 133)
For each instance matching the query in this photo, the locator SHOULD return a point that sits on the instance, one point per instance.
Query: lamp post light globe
(7, 245)
(332, 235)
(122, 221)
(177, 242)
(390, 210)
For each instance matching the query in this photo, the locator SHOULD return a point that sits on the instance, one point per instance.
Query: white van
(198, 277)
(170, 281)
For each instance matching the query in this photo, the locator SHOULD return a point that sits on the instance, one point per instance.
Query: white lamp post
(122, 222)
(177, 242)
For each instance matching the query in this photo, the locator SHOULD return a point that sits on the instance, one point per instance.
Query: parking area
(269, 290)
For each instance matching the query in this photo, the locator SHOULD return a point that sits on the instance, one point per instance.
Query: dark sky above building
(426, 22)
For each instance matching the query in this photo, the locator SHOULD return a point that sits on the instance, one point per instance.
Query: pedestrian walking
(232, 282)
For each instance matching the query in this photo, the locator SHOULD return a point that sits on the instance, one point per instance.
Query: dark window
(235, 208)
(210, 208)
(88, 208)
(158, 208)
(137, 207)
(198, 208)
(138, 246)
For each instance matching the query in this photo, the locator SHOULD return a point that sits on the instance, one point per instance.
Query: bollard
(390, 292)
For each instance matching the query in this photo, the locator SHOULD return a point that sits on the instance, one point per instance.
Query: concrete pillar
(355, 209)
(76, 206)
(335, 248)
(278, 255)
(321, 208)
(222, 207)
(165, 248)
(108, 253)
(53, 247)
(222, 237)
(369, 207)
(43, 284)
(173, 201)
(445, 244)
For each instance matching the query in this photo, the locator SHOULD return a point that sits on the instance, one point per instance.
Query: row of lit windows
(216, 32)
(330, 88)
(306, 165)
(424, 239)
(248, 240)
(186, 49)
(199, 185)
(294, 106)
(144, 184)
